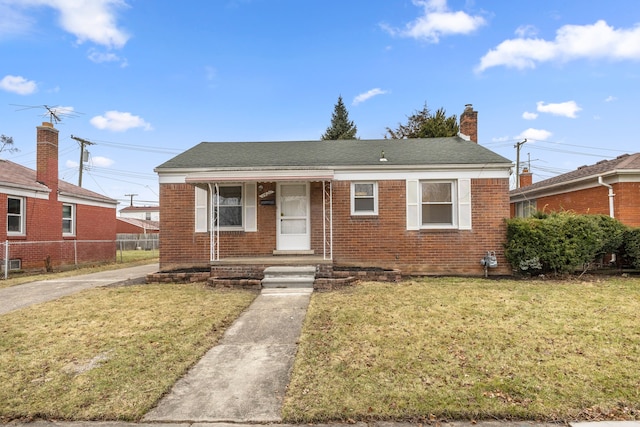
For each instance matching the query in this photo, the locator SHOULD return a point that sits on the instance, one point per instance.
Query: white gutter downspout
(611, 213)
(611, 195)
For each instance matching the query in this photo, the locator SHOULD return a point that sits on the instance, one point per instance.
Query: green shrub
(560, 242)
(632, 246)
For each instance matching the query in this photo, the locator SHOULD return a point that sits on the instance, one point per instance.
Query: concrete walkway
(244, 377)
(24, 295)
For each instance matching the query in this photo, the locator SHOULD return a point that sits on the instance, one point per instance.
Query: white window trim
(73, 220)
(454, 206)
(22, 216)
(353, 199)
(462, 206)
(205, 204)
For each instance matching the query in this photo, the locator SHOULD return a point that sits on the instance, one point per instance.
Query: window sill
(16, 237)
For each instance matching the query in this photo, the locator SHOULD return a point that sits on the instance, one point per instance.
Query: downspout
(611, 213)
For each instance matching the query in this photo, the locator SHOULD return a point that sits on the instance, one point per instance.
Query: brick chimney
(469, 123)
(47, 158)
(526, 178)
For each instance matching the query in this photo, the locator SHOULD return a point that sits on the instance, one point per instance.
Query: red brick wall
(371, 241)
(44, 224)
(595, 200)
(384, 241)
(127, 228)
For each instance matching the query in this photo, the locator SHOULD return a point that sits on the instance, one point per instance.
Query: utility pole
(517, 147)
(82, 142)
(130, 195)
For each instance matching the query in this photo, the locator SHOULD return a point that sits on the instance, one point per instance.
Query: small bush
(561, 242)
(632, 246)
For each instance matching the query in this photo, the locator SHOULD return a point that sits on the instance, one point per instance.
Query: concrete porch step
(289, 277)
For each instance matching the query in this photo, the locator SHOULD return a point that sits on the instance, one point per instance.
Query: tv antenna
(54, 113)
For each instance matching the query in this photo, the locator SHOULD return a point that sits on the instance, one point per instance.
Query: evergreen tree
(423, 124)
(341, 127)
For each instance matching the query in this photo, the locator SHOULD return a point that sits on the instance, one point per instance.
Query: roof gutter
(611, 195)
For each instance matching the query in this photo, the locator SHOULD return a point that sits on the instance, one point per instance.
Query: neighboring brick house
(50, 222)
(136, 226)
(423, 206)
(148, 213)
(609, 187)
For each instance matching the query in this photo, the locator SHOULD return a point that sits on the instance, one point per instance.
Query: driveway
(20, 296)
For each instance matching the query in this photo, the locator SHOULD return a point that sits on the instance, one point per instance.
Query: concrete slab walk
(244, 377)
(17, 297)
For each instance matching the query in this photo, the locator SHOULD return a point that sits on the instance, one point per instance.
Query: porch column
(327, 222)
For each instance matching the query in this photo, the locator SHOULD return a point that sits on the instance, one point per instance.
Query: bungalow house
(609, 187)
(50, 222)
(421, 206)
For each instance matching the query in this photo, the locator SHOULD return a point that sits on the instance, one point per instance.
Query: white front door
(293, 217)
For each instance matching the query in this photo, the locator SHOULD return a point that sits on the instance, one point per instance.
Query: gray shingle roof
(15, 175)
(603, 167)
(327, 154)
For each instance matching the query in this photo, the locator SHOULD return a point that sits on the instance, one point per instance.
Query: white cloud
(18, 84)
(597, 41)
(437, 21)
(610, 98)
(529, 116)
(535, 134)
(100, 161)
(526, 31)
(99, 57)
(501, 139)
(88, 20)
(118, 121)
(368, 95)
(565, 109)
(71, 164)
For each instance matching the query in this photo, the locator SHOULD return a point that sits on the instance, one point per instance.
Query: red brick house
(136, 226)
(422, 206)
(609, 187)
(50, 222)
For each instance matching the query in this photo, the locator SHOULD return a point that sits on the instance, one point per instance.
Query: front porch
(248, 272)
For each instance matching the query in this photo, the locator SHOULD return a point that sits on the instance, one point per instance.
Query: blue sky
(147, 79)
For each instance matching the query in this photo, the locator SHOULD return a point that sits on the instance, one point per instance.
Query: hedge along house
(422, 206)
(50, 222)
(609, 187)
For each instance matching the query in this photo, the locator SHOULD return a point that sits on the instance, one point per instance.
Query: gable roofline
(20, 178)
(584, 176)
(333, 155)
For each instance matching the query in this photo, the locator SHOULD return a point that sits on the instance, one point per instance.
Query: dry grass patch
(470, 349)
(108, 353)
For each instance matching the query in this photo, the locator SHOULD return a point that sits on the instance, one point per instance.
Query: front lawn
(107, 353)
(470, 349)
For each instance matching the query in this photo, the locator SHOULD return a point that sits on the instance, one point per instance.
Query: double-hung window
(364, 198)
(15, 216)
(439, 204)
(526, 208)
(229, 206)
(233, 207)
(68, 220)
